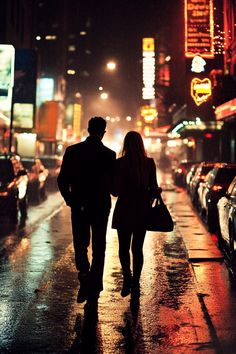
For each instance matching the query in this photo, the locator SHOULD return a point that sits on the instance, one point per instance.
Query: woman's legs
(137, 251)
(124, 238)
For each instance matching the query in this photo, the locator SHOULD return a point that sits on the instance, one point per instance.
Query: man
(84, 182)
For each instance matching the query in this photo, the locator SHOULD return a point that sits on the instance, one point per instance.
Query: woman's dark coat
(134, 199)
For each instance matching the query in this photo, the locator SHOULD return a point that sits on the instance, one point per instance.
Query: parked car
(209, 192)
(227, 221)
(179, 173)
(38, 175)
(190, 175)
(53, 164)
(199, 176)
(13, 187)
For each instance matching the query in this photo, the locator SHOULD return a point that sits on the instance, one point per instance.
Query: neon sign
(148, 113)
(148, 91)
(200, 90)
(198, 64)
(199, 26)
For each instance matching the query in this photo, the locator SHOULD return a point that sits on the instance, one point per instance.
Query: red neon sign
(199, 26)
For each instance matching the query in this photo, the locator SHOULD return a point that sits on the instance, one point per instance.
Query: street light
(111, 65)
(104, 96)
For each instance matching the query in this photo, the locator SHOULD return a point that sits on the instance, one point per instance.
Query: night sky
(116, 32)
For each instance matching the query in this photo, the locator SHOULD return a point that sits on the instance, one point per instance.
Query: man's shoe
(126, 287)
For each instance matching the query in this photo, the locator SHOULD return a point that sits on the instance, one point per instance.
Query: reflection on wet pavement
(39, 313)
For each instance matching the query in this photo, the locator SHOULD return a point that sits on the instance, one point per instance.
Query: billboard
(45, 90)
(199, 28)
(148, 91)
(7, 59)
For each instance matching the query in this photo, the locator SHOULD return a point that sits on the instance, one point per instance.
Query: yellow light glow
(148, 113)
(148, 44)
(111, 65)
(104, 96)
(71, 72)
(201, 90)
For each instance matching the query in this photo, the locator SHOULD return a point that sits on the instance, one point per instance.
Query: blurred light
(111, 65)
(216, 188)
(117, 119)
(108, 118)
(38, 38)
(50, 37)
(78, 95)
(208, 135)
(113, 120)
(128, 118)
(100, 88)
(104, 96)
(168, 58)
(83, 33)
(71, 48)
(60, 147)
(171, 143)
(71, 72)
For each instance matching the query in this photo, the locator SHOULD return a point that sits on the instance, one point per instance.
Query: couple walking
(88, 175)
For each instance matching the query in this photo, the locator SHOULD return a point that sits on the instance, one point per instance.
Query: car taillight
(216, 188)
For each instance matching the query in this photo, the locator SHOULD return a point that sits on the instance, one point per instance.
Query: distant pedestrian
(85, 182)
(135, 185)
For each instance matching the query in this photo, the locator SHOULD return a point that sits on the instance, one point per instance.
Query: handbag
(159, 217)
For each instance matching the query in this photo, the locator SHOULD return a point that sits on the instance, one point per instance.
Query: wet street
(187, 303)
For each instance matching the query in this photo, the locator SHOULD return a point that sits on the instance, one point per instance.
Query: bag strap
(159, 200)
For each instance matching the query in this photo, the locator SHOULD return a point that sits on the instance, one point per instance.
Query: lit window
(71, 48)
(50, 37)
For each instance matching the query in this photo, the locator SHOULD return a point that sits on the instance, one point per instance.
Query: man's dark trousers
(89, 224)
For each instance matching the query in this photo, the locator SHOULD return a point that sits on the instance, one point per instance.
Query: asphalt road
(187, 302)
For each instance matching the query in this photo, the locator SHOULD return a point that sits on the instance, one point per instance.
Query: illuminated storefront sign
(45, 90)
(148, 91)
(7, 64)
(200, 90)
(199, 28)
(23, 115)
(226, 109)
(198, 64)
(77, 119)
(7, 60)
(148, 113)
(196, 124)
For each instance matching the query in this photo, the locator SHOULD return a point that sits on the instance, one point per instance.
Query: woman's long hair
(134, 151)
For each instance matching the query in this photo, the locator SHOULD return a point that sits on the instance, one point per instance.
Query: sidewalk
(198, 241)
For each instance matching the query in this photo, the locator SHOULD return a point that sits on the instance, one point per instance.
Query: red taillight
(216, 188)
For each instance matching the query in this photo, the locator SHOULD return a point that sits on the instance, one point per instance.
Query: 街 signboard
(199, 27)
(201, 90)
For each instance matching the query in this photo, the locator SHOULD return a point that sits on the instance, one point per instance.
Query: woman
(135, 185)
